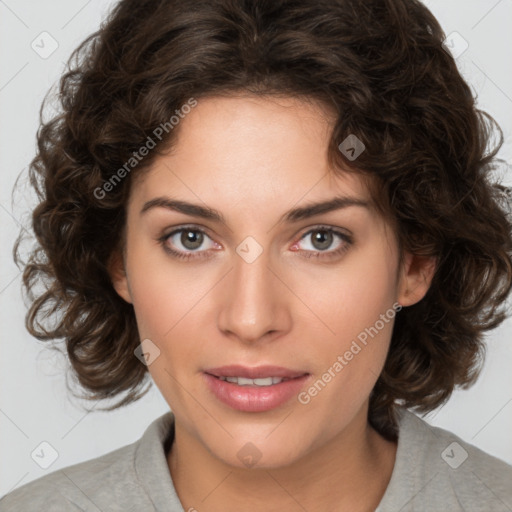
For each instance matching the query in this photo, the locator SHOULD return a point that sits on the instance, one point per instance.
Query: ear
(416, 276)
(117, 272)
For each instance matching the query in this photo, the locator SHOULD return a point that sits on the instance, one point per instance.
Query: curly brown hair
(388, 80)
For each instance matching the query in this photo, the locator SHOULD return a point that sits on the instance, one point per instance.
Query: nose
(253, 306)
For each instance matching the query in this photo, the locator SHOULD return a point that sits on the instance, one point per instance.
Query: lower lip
(254, 398)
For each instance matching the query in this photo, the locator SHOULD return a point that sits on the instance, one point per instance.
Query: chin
(242, 453)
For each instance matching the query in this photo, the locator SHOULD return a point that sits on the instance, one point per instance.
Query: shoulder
(437, 470)
(86, 486)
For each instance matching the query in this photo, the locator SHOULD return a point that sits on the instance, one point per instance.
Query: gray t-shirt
(434, 471)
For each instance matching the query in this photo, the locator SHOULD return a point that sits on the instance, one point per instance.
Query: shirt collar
(151, 464)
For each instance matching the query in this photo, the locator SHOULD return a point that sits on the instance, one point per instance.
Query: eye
(187, 240)
(322, 238)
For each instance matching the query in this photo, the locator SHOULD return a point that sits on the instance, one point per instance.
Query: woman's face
(257, 286)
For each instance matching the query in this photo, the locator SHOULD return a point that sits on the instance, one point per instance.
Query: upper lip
(254, 372)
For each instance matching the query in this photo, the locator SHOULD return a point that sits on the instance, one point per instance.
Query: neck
(350, 472)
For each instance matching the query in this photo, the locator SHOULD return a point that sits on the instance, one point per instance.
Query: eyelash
(315, 254)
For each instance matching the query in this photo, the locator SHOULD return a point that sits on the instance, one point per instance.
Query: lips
(255, 372)
(254, 389)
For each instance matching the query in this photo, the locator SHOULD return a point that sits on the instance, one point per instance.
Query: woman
(286, 219)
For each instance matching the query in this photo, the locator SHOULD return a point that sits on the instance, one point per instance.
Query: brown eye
(191, 239)
(322, 239)
(323, 243)
(187, 242)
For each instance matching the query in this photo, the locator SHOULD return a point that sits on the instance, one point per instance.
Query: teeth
(243, 381)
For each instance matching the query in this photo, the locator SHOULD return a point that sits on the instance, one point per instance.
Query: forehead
(259, 150)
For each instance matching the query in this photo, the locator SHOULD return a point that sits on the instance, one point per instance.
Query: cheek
(350, 303)
(168, 300)
(155, 307)
(164, 292)
(349, 298)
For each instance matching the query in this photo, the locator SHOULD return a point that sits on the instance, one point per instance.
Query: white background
(34, 403)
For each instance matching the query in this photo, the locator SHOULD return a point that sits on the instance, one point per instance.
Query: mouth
(254, 389)
(255, 372)
(262, 381)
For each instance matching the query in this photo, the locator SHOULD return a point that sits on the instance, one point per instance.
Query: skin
(253, 159)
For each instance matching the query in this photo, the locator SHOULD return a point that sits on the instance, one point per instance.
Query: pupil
(324, 240)
(191, 239)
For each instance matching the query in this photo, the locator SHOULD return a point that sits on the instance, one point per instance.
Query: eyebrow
(294, 215)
